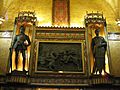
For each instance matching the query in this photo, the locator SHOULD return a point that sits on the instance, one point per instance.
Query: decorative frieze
(59, 81)
(61, 35)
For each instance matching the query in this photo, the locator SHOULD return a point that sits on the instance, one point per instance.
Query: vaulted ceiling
(43, 9)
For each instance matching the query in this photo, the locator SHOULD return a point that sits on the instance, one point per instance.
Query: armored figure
(99, 46)
(20, 44)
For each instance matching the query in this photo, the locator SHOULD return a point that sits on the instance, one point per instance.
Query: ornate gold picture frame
(58, 50)
(59, 56)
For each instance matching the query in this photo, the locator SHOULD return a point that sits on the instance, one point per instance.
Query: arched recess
(28, 20)
(95, 21)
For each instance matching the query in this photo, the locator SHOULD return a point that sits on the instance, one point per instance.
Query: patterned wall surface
(115, 57)
(61, 12)
(114, 42)
(5, 41)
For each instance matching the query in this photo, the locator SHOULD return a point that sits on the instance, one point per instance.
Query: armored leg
(24, 59)
(16, 58)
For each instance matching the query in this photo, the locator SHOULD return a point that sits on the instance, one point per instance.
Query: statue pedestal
(17, 77)
(15, 72)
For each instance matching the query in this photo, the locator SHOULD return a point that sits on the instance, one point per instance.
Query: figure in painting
(51, 59)
(71, 56)
(99, 46)
(20, 44)
(58, 60)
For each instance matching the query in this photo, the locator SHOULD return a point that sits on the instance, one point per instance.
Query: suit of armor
(20, 44)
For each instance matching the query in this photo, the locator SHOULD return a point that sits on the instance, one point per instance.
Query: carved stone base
(15, 72)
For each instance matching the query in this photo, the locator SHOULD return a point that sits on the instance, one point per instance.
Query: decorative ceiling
(43, 9)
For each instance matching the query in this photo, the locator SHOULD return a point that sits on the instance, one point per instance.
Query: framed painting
(59, 57)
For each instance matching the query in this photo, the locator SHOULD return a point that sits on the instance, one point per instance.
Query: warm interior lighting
(29, 23)
(60, 71)
(106, 66)
(45, 24)
(40, 19)
(77, 25)
(62, 25)
(113, 36)
(6, 34)
(20, 64)
(118, 22)
(1, 20)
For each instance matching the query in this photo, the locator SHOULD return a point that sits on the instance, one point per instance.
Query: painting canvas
(58, 56)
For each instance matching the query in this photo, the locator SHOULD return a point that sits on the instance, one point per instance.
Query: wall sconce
(1, 20)
(118, 22)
